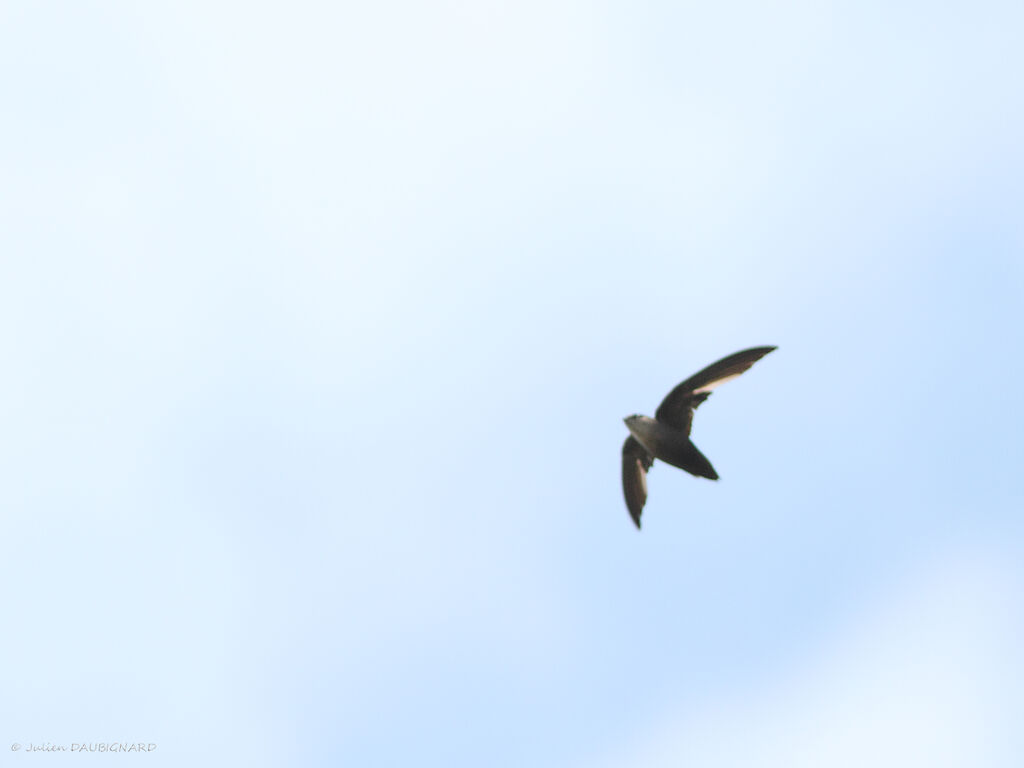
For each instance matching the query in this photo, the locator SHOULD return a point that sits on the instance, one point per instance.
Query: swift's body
(667, 435)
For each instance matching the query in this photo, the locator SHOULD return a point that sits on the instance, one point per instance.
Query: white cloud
(923, 680)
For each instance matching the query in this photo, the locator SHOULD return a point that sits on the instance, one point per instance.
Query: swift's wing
(636, 460)
(676, 409)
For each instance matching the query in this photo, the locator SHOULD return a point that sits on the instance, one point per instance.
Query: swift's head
(641, 427)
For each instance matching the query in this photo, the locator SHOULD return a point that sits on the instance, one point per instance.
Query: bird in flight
(667, 435)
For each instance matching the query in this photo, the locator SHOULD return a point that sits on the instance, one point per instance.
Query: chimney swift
(667, 435)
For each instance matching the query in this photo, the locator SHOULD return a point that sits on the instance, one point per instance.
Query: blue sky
(319, 322)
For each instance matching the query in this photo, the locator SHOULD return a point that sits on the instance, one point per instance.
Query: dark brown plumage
(667, 435)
